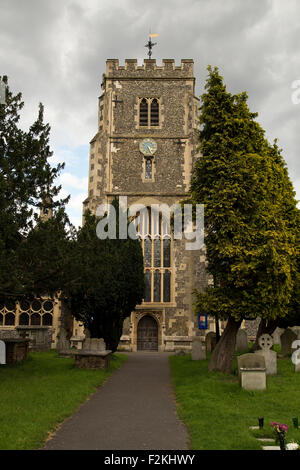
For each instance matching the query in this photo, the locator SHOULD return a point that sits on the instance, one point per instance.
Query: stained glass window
(167, 252)
(147, 297)
(147, 252)
(35, 319)
(157, 286)
(47, 319)
(144, 112)
(167, 286)
(24, 319)
(157, 252)
(9, 319)
(154, 113)
(148, 169)
(157, 259)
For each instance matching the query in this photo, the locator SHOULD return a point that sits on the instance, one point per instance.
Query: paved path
(133, 410)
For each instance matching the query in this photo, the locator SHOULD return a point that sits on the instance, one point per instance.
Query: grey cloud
(55, 51)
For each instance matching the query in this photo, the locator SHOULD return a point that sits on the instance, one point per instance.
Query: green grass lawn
(40, 393)
(218, 412)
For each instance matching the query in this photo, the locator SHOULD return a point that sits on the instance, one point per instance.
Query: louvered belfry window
(149, 112)
(154, 115)
(144, 112)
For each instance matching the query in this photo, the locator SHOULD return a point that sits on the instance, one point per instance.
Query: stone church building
(144, 148)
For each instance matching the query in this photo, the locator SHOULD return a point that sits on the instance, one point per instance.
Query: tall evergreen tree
(108, 281)
(27, 182)
(250, 239)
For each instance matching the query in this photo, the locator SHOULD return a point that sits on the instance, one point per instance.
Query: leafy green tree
(249, 236)
(108, 281)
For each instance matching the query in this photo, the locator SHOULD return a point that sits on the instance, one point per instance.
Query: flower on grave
(282, 428)
(292, 446)
(280, 431)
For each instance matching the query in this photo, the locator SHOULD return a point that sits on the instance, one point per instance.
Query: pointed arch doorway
(147, 334)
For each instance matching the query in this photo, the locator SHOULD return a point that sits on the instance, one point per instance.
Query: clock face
(148, 147)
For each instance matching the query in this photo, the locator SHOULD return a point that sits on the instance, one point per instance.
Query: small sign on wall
(202, 322)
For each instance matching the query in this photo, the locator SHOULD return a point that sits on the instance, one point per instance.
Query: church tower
(144, 149)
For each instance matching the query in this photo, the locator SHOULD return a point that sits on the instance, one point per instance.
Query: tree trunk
(223, 354)
(218, 336)
(263, 328)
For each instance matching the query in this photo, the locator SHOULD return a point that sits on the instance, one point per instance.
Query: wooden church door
(147, 334)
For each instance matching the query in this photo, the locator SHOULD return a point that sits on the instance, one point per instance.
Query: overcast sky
(54, 51)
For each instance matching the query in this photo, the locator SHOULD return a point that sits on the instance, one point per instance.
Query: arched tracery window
(156, 245)
(149, 112)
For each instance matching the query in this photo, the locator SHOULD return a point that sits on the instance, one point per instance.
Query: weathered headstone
(210, 341)
(180, 353)
(241, 341)
(94, 344)
(2, 352)
(252, 371)
(265, 342)
(250, 361)
(197, 349)
(276, 335)
(63, 343)
(287, 339)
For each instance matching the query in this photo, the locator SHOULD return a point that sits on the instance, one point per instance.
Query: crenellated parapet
(149, 68)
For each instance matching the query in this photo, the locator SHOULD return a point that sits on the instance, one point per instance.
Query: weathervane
(150, 44)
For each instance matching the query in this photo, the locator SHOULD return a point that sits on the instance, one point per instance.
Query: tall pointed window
(149, 112)
(154, 114)
(148, 169)
(157, 256)
(144, 112)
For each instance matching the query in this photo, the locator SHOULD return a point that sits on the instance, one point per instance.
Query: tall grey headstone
(2, 352)
(287, 339)
(276, 335)
(198, 349)
(210, 341)
(241, 341)
(265, 343)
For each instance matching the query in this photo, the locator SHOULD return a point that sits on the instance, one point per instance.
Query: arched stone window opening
(24, 319)
(35, 319)
(157, 246)
(9, 319)
(154, 115)
(47, 319)
(144, 112)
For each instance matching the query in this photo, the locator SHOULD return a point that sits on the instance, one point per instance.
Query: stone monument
(266, 342)
(241, 341)
(210, 341)
(198, 349)
(252, 371)
(287, 339)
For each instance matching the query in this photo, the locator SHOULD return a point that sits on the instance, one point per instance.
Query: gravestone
(250, 361)
(276, 335)
(2, 353)
(265, 343)
(241, 341)
(63, 344)
(94, 344)
(287, 339)
(252, 371)
(296, 359)
(197, 349)
(210, 341)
